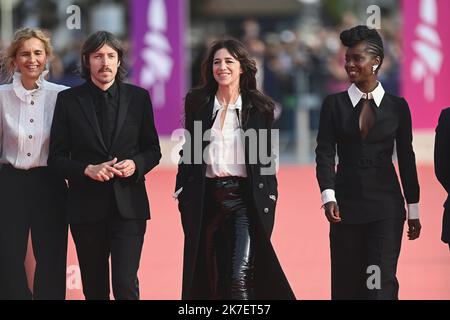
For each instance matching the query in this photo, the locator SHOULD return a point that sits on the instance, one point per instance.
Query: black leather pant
(229, 239)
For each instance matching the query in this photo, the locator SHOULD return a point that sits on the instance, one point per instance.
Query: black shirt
(106, 106)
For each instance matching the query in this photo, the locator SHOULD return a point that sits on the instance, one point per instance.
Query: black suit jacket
(365, 181)
(76, 141)
(442, 166)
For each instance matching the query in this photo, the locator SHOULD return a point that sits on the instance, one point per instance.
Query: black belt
(9, 167)
(223, 181)
(366, 162)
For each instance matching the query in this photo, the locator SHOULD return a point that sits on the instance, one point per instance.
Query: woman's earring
(374, 68)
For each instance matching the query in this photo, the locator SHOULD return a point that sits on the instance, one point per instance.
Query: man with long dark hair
(103, 141)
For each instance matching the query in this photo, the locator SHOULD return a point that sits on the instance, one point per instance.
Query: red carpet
(300, 239)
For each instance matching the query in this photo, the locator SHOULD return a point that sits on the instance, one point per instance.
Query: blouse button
(261, 185)
(31, 120)
(30, 137)
(266, 210)
(32, 102)
(29, 154)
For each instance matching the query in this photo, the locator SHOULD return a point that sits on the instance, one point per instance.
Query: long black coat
(442, 166)
(366, 184)
(76, 141)
(270, 281)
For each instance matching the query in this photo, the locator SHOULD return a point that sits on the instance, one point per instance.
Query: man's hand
(332, 212)
(102, 172)
(414, 227)
(126, 167)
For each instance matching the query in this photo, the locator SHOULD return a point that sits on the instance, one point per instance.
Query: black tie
(366, 118)
(105, 119)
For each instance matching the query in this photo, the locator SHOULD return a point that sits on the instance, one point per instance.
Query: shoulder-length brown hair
(247, 82)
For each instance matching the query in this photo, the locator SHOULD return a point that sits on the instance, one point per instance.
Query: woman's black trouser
(229, 239)
(32, 200)
(364, 260)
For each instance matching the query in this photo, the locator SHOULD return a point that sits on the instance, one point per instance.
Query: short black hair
(355, 35)
(93, 43)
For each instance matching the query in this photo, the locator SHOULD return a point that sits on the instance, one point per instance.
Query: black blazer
(442, 166)
(76, 141)
(270, 281)
(365, 181)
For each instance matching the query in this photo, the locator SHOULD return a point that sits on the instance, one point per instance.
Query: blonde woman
(32, 199)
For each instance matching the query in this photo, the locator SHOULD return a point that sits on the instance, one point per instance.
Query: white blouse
(225, 155)
(25, 122)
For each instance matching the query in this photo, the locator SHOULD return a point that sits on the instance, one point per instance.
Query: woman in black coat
(442, 167)
(362, 197)
(226, 183)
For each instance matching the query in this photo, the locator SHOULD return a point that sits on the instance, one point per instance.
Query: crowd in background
(299, 62)
(299, 65)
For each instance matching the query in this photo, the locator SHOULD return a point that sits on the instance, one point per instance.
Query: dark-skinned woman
(361, 197)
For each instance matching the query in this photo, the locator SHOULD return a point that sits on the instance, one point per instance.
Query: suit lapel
(247, 116)
(205, 114)
(124, 102)
(87, 105)
(250, 120)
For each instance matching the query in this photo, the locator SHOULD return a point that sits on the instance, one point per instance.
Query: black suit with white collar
(367, 189)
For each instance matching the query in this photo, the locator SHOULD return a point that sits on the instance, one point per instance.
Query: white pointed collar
(355, 94)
